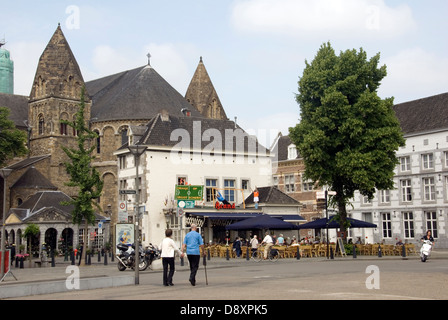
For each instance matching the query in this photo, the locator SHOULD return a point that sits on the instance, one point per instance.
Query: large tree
(83, 176)
(347, 134)
(12, 140)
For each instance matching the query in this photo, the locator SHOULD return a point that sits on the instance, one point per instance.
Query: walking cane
(204, 262)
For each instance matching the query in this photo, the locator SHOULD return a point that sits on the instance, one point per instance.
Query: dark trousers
(168, 270)
(194, 265)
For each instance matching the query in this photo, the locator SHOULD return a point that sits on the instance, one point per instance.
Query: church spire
(202, 95)
(58, 73)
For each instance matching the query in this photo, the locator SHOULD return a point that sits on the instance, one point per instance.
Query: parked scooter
(425, 250)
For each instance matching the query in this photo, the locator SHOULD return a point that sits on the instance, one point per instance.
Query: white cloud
(415, 73)
(330, 18)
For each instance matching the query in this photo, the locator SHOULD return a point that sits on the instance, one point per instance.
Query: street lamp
(137, 151)
(4, 173)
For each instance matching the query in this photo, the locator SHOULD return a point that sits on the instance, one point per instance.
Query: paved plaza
(319, 278)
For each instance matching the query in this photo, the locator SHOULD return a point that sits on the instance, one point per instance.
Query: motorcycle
(152, 253)
(126, 257)
(425, 250)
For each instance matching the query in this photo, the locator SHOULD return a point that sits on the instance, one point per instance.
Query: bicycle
(257, 255)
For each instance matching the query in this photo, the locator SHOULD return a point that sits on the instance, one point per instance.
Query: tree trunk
(82, 263)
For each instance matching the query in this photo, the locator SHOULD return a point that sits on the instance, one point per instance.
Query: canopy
(322, 224)
(262, 222)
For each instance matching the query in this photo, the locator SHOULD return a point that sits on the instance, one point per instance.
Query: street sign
(128, 192)
(321, 194)
(186, 204)
(189, 192)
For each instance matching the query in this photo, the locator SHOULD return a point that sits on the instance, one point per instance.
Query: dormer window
(292, 152)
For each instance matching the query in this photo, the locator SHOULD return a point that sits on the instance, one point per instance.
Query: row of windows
(427, 187)
(290, 183)
(427, 162)
(408, 224)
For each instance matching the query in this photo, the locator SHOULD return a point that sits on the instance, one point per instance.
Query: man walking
(192, 242)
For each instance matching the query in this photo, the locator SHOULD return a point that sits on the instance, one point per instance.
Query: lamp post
(137, 151)
(4, 173)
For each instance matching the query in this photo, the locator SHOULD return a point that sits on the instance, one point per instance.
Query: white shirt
(168, 247)
(267, 239)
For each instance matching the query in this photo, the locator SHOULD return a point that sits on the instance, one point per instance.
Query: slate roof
(271, 195)
(32, 178)
(139, 94)
(26, 162)
(210, 132)
(18, 106)
(40, 201)
(423, 115)
(281, 148)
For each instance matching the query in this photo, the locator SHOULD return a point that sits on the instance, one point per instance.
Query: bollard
(403, 251)
(354, 251)
(298, 253)
(66, 255)
(208, 253)
(21, 262)
(17, 262)
(72, 258)
(53, 263)
(89, 259)
(99, 256)
(331, 253)
(380, 253)
(227, 254)
(247, 254)
(105, 259)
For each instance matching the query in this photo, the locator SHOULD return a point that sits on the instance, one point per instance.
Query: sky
(254, 50)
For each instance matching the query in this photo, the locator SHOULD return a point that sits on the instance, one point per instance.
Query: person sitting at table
(280, 240)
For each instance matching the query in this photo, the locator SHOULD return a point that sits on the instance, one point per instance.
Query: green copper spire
(6, 71)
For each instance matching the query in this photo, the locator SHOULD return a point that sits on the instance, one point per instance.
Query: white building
(216, 154)
(419, 201)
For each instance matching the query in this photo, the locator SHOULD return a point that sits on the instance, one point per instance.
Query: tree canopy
(347, 134)
(12, 140)
(82, 174)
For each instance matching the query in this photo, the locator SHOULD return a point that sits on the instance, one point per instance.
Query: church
(114, 105)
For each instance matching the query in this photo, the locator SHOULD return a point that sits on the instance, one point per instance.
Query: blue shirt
(193, 240)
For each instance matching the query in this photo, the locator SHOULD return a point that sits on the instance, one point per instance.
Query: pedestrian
(192, 243)
(254, 244)
(237, 247)
(169, 248)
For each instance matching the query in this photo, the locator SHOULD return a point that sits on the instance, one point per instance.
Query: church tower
(55, 95)
(6, 71)
(202, 95)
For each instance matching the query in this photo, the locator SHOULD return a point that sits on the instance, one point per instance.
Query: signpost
(324, 195)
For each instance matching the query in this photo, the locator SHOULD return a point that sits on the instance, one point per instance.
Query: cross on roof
(149, 56)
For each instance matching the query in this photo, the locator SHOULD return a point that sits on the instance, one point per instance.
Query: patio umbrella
(334, 224)
(262, 222)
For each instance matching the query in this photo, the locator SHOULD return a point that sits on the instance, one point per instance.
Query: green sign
(189, 192)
